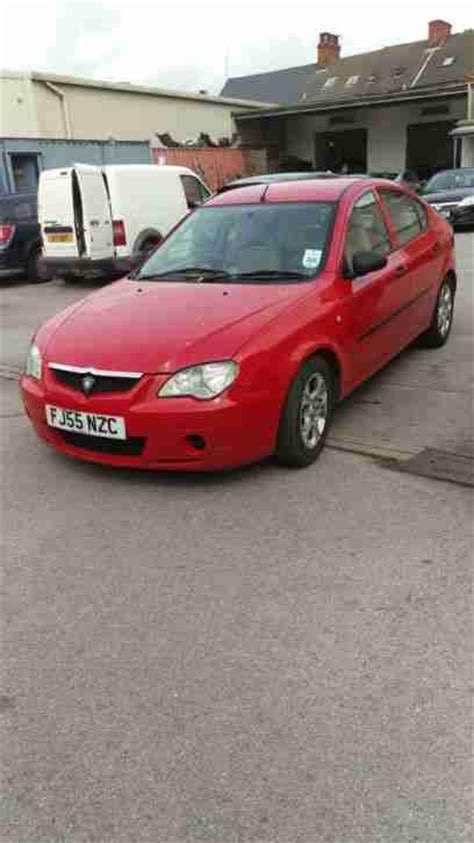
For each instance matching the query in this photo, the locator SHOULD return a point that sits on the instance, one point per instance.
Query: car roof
(307, 190)
(269, 178)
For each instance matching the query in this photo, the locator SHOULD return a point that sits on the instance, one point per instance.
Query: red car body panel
(269, 330)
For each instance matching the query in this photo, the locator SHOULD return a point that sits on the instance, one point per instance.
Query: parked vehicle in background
(103, 221)
(238, 336)
(409, 179)
(20, 237)
(271, 178)
(451, 193)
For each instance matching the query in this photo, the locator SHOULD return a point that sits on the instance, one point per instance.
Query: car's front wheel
(306, 415)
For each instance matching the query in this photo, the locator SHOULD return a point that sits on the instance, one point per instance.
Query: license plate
(91, 424)
(59, 238)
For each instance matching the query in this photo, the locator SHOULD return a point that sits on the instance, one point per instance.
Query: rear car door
(375, 301)
(420, 251)
(96, 223)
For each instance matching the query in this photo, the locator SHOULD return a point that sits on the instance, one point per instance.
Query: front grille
(132, 447)
(101, 384)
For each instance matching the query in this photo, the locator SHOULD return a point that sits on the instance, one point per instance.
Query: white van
(102, 221)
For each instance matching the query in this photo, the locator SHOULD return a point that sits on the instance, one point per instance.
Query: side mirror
(365, 262)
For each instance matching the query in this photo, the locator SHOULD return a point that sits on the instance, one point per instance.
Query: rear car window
(18, 209)
(407, 215)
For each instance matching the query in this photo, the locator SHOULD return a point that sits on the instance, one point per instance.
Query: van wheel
(32, 266)
(306, 416)
(147, 248)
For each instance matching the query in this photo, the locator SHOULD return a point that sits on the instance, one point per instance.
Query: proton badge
(88, 383)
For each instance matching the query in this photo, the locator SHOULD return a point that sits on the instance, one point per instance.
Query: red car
(238, 336)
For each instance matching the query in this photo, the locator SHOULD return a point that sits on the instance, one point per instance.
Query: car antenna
(264, 192)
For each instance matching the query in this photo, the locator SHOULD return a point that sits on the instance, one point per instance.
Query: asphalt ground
(265, 656)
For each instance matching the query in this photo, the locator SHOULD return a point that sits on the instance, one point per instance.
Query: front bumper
(462, 217)
(160, 432)
(85, 267)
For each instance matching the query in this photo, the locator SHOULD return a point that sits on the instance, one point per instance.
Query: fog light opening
(196, 441)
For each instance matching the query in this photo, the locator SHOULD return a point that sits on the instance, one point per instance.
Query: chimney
(438, 32)
(328, 48)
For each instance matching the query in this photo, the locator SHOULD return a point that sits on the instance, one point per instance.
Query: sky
(194, 45)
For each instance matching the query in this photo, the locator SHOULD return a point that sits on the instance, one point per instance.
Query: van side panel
(144, 198)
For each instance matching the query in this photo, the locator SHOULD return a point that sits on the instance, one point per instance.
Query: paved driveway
(265, 656)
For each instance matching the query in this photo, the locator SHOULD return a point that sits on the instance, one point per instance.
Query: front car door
(374, 303)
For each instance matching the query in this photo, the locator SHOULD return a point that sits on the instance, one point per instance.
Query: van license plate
(92, 424)
(59, 238)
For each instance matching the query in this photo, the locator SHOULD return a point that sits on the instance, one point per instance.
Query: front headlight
(467, 201)
(33, 362)
(206, 381)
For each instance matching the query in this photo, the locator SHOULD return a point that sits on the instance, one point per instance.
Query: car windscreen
(450, 180)
(273, 242)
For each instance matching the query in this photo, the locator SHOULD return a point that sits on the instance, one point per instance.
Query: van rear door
(56, 214)
(96, 223)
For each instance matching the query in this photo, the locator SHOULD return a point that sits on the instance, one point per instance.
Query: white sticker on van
(312, 258)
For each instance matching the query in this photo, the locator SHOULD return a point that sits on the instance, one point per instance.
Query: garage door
(429, 147)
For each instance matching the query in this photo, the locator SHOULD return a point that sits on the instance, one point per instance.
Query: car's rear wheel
(307, 413)
(442, 320)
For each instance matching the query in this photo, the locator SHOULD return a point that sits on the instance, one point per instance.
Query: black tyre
(442, 320)
(32, 267)
(307, 413)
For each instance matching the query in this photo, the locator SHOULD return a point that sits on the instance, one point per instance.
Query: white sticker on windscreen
(312, 258)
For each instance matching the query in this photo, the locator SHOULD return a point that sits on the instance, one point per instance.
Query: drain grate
(441, 465)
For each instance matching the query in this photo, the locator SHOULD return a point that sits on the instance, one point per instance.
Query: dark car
(270, 178)
(451, 193)
(20, 238)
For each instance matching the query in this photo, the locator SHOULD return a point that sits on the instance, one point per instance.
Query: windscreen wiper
(271, 273)
(202, 272)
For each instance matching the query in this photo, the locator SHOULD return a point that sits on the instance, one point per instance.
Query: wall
(467, 155)
(217, 165)
(386, 131)
(18, 117)
(101, 113)
(61, 153)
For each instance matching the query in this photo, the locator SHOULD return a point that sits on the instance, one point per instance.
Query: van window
(25, 172)
(194, 191)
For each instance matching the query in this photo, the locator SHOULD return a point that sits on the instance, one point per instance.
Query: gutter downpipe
(64, 104)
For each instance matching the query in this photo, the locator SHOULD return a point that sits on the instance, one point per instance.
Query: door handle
(400, 270)
(435, 248)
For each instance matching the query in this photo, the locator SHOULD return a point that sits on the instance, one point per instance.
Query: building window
(434, 109)
(448, 61)
(25, 172)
